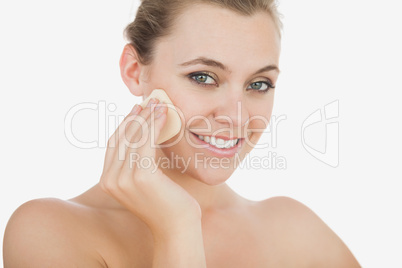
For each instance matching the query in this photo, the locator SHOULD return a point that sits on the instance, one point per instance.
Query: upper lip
(226, 138)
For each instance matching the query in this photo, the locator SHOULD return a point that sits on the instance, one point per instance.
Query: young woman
(218, 62)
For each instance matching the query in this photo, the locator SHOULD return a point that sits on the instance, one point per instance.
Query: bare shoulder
(47, 232)
(304, 235)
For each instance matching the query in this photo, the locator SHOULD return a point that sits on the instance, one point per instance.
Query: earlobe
(130, 70)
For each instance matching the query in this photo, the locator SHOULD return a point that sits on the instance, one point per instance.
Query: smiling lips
(220, 146)
(218, 142)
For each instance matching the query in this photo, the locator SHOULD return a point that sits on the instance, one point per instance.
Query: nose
(231, 110)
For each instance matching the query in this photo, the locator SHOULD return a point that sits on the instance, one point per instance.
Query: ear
(130, 70)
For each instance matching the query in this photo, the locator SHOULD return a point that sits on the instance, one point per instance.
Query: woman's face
(217, 67)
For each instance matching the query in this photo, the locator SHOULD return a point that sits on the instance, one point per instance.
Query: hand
(147, 192)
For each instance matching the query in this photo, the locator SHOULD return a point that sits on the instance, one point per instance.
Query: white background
(56, 54)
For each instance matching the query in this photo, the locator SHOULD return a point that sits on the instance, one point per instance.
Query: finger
(113, 164)
(157, 122)
(128, 128)
(132, 128)
(128, 120)
(113, 140)
(131, 135)
(144, 156)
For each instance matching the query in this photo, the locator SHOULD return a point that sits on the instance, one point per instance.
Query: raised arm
(171, 213)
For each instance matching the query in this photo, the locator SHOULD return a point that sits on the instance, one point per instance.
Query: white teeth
(219, 143)
(213, 141)
(231, 143)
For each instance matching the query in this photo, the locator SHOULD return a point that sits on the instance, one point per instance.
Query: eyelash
(192, 75)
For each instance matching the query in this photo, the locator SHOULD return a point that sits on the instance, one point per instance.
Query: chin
(211, 177)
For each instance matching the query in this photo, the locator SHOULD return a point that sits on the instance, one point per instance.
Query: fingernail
(152, 101)
(160, 105)
(136, 109)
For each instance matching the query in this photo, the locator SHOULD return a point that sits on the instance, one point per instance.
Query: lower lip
(218, 152)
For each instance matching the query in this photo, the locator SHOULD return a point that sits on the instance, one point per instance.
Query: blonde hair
(155, 19)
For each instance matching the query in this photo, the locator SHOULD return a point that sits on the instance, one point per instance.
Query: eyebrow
(214, 63)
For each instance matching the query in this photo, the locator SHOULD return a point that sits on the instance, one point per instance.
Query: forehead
(219, 33)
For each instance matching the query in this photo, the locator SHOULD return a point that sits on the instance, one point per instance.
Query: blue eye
(261, 86)
(203, 79)
(207, 79)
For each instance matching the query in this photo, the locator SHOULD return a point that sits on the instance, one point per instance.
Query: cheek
(257, 126)
(191, 104)
(159, 77)
(260, 116)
